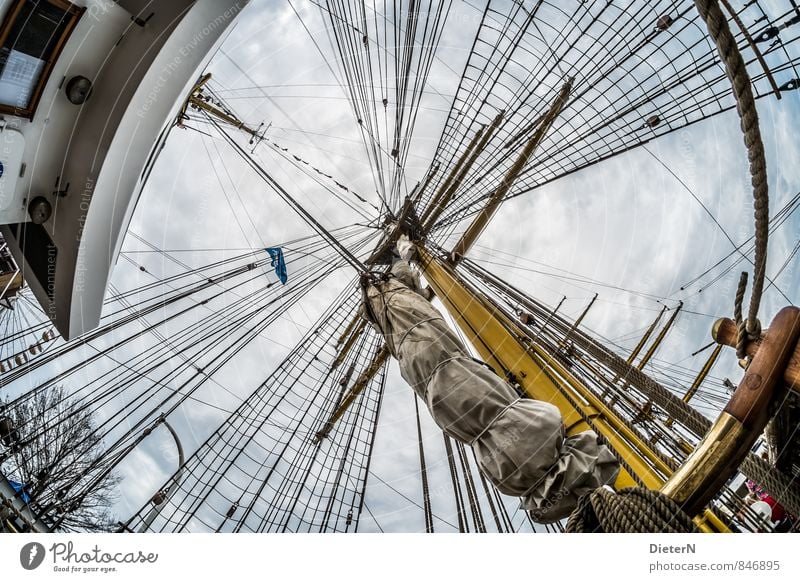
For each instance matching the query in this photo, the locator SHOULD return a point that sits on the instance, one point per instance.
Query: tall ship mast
(255, 388)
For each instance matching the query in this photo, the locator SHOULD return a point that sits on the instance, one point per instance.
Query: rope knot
(755, 332)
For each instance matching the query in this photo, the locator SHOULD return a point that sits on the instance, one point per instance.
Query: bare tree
(54, 452)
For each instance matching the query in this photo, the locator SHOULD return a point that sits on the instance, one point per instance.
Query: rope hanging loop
(745, 330)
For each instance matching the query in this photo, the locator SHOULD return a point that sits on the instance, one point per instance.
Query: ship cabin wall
(72, 165)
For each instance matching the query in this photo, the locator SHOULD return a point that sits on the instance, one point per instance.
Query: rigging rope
(426, 494)
(284, 466)
(735, 67)
(673, 97)
(742, 338)
(463, 526)
(472, 494)
(374, 429)
(488, 494)
(296, 206)
(110, 460)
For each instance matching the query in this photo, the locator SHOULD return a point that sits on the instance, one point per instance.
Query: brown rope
(741, 325)
(632, 510)
(736, 70)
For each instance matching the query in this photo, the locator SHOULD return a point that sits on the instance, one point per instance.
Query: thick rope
(632, 510)
(736, 70)
(741, 325)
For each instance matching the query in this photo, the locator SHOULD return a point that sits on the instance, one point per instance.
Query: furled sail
(520, 444)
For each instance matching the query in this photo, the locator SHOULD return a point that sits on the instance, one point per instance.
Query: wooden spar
(640, 345)
(195, 91)
(659, 338)
(451, 185)
(701, 376)
(497, 339)
(579, 320)
(417, 193)
(197, 101)
(645, 337)
(557, 307)
(10, 283)
(356, 319)
(484, 216)
(432, 212)
(436, 201)
(552, 314)
(357, 331)
(358, 387)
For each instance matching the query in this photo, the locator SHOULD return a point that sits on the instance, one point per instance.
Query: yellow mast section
(497, 339)
(493, 336)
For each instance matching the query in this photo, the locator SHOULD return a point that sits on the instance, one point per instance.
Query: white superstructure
(88, 90)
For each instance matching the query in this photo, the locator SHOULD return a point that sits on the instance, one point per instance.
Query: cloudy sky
(626, 224)
(627, 229)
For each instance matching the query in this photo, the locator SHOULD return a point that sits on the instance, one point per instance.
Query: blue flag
(276, 254)
(20, 487)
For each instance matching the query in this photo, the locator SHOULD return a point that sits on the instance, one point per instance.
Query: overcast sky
(627, 224)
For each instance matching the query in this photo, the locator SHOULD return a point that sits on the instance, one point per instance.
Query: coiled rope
(736, 70)
(632, 510)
